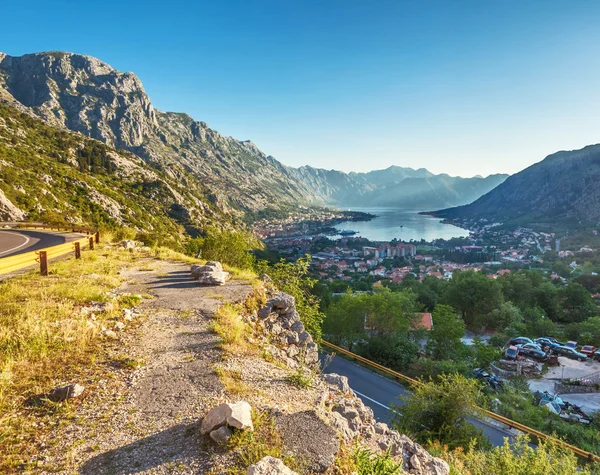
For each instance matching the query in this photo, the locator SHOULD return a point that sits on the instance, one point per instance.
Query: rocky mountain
(82, 94)
(55, 175)
(562, 188)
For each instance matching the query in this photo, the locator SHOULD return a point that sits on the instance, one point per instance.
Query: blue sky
(461, 87)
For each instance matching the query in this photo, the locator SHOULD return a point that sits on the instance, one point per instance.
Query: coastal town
(338, 255)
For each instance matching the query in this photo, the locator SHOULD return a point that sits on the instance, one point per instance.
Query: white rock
(269, 466)
(119, 326)
(239, 415)
(61, 393)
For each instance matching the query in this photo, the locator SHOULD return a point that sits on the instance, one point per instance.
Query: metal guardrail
(42, 256)
(492, 415)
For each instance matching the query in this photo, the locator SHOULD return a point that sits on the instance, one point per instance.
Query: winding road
(380, 394)
(17, 241)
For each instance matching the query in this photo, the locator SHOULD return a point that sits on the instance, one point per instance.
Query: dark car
(520, 340)
(569, 353)
(533, 353)
(571, 344)
(511, 353)
(548, 342)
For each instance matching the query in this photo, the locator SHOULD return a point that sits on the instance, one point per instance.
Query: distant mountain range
(84, 95)
(564, 188)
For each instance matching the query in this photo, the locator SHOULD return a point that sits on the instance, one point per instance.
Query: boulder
(62, 393)
(239, 415)
(265, 312)
(306, 437)
(269, 466)
(297, 327)
(339, 382)
(221, 435)
(215, 418)
(283, 303)
(209, 274)
(128, 244)
(264, 278)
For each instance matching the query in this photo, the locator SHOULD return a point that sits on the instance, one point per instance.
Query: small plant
(301, 377)
(232, 380)
(369, 463)
(129, 300)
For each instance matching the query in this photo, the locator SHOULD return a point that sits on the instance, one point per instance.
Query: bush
(226, 246)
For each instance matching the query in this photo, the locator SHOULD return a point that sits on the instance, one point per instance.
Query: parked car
(533, 353)
(596, 355)
(520, 340)
(571, 344)
(548, 342)
(493, 380)
(511, 353)
(569, 353)
(531, 346)
(589, 350)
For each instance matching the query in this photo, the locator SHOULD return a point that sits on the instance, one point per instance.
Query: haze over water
(401, 224)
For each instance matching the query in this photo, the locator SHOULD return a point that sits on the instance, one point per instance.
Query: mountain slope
(54, 175)
(85, 95)
(562, 188)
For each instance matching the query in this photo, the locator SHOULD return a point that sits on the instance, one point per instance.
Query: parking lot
(589, 402)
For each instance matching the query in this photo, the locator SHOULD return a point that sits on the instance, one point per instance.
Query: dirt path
(145, 421)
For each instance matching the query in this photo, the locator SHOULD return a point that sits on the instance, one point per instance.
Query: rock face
(280, 319)
(353, 420)
(211, 273)
(269, 466)
(8, 211)
(306, 437)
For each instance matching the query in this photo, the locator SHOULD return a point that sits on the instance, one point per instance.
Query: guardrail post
(77, 251)
(97, 237)
(91, 243)
(43, 263)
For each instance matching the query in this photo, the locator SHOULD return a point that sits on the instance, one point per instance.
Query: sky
(457, 86)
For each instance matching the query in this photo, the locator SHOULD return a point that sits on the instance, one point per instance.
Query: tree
(440, 411)
(484, 354)
(394, 352)
(444, 338)
(578, 303)
(474, 296)
(507, 316)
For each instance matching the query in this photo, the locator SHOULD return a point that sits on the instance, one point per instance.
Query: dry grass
(232, 380)
(45, 340)
(234, 332)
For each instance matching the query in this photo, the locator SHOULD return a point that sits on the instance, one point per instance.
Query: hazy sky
(456, 86)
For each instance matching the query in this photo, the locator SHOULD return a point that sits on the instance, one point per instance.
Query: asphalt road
(380, 393)
(18, 241)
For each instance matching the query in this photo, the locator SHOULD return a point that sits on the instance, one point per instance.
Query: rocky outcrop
(211, 273)
(306, 437)
(355, 421)
(8, 211)
(289, 339)
(269, 466)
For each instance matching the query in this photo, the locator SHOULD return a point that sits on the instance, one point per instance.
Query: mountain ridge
(83, 94)
(562, 188)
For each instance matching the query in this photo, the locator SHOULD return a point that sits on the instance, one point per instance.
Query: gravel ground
(145, 420)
